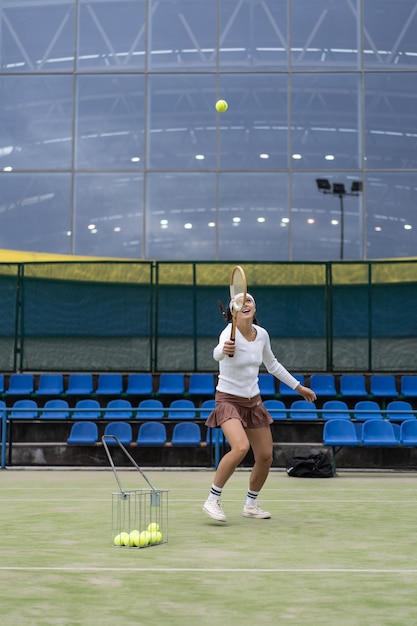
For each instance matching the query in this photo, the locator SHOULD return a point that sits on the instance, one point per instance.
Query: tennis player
(239, 409)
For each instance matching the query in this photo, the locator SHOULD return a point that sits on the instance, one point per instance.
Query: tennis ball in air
(134, 538)
(153, 527)
(144, 538)
(155, 537)
(221, 106)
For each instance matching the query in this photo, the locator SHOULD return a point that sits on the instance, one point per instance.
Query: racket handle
(233, 331)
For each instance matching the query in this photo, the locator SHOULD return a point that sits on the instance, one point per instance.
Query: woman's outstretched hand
(307, 393)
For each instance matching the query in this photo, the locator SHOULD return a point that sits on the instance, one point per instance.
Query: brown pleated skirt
(250, 411)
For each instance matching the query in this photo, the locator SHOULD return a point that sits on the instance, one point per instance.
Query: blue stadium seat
(118, 409)
(266, 384)
(83, 433)
(109, 385)
(1, 383)
(186, 434)
(399, 411)
(24, 409)
(340, 432)
(121, 430)
(335, 409)
(214, 434)
(367, 410)
(2, 407)
(409, 386)
(87, 409)
(303, 410)
(171, 384)
(353, 385)
(323, 385)
(201, 385)
(206, 408)
(139, 385)
(55, 410)
(182, 409)
(152, 434)
(378, 433)
(276, 409)
(383, 386)
(80, 385)
(284, 390)
(408, 433)
(20, 385)
(50, 385)
(150, 409)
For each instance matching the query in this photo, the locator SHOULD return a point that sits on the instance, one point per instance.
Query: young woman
(239, 409)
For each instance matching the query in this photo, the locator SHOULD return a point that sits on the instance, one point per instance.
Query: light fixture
(323, 184)
(338, 189)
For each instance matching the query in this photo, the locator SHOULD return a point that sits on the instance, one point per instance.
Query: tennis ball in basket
(144, 538)
(221, 106)
(121, 540)
(134, 538)
(153, 527)
(155, 537)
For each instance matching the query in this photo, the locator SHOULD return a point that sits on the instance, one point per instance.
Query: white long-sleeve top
(239, 375)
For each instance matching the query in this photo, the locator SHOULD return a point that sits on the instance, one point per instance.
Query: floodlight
(339, 189)
(323, 184)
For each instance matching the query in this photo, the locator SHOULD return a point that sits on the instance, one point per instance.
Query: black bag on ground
(312, 466)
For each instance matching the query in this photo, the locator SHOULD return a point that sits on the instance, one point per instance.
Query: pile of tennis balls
(137, 539)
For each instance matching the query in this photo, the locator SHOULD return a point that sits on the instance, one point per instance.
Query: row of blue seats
(336, 433)
(357, 386)
(200, 384)
(107, 384)
(149, 434)
(90, 409)
(339, 433)
(183, 408)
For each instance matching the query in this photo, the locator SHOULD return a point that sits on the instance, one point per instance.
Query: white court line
(174, 499)
(214, 570)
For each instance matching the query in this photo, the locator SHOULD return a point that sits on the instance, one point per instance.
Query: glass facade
(117, 150)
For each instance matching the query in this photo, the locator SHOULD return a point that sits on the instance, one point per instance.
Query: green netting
(154, 316)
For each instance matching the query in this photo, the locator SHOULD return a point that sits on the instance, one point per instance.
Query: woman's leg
(261, 442)
(239, 446)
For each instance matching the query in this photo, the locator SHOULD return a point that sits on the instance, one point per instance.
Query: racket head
(238, 288)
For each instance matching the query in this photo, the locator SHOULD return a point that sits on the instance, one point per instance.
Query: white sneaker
(256, 512)
(213, 508)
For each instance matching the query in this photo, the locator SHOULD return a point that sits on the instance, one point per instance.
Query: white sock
(215, 492)
(251, 498)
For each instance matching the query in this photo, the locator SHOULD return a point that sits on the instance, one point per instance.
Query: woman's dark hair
(227, 314)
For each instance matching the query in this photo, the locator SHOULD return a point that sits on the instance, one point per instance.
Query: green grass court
(340, 551)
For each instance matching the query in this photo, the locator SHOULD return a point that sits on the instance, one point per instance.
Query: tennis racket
(238, 288)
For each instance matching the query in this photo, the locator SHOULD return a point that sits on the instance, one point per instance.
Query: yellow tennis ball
(221, 106)
(134, 538)
(153, 527)
(121, 539)
(125, 539)
(155, 537)
(144, 538)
